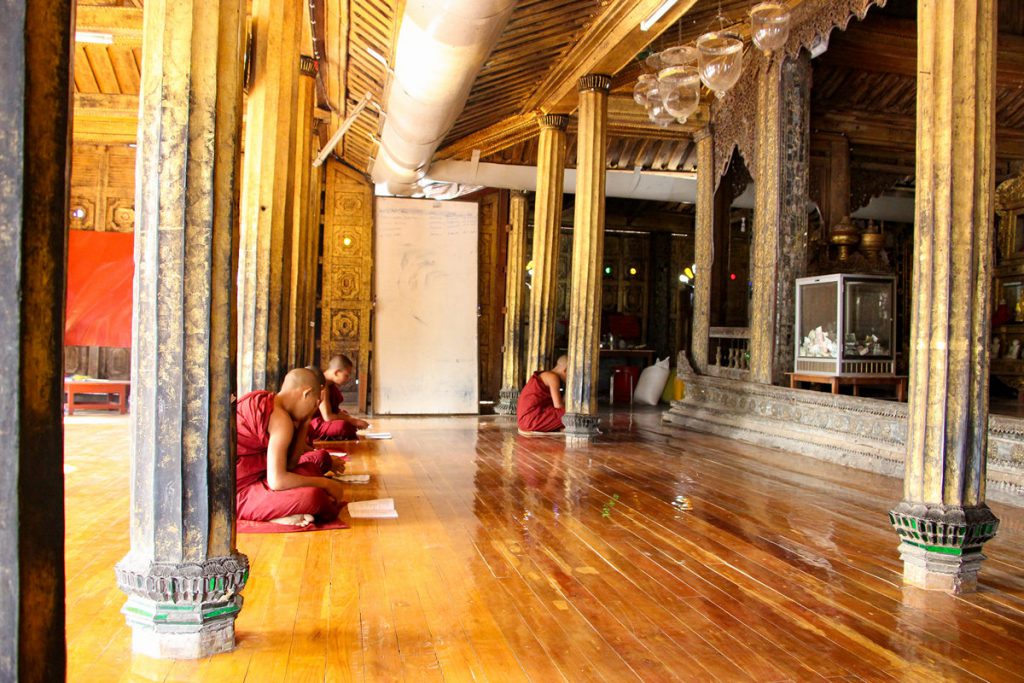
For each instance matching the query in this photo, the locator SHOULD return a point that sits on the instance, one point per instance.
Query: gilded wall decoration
(346, 279)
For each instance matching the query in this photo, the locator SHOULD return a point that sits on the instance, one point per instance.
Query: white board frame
(425, 315)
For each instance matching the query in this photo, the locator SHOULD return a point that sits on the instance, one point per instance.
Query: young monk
(540, 407)
(331, 423)
(277, 479)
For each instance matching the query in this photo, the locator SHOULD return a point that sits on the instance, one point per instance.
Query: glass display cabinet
(845, 325)
(1006, 359)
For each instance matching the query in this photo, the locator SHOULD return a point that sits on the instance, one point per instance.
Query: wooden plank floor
(649, 555)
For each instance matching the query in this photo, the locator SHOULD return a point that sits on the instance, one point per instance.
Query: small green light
(607, 270)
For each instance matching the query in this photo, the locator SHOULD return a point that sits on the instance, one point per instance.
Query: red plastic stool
(624, 379)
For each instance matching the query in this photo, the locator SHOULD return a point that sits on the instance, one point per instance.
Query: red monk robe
(536, 412)
(331, 430)
(256, 500)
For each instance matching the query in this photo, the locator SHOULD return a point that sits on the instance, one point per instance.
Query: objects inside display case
(845, 325)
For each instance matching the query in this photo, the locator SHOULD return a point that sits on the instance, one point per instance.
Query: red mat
(246, 526)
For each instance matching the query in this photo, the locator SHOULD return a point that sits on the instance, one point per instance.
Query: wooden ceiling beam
(890, 46)
(610, 43)
(898, 133)
(123, 23)
(493, 138)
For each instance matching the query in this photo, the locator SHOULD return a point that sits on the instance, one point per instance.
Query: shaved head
(299, 379)
(562, 362)
(318, 373)
(339, 362)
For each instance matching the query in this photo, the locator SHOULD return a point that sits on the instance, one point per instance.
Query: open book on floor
(353, 478)
(375, 435)
(379, 508)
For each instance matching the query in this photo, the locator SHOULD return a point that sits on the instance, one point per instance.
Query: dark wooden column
(183, 574)
(35, 44)
(943, 520)
(587, 255)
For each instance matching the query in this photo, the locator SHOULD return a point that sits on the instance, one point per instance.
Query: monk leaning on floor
(540, 407)
(332, 423)
(277, 479)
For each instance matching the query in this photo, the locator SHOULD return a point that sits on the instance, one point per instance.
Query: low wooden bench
(835, 381)
(104, 387)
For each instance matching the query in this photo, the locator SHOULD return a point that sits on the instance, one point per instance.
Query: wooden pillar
(313, 237)
(267, 181)
(943, 520)
(547, 222)
(183, 573)
(704, 236)
(35, 49)
(512, 351)
(780, 213)
(587, 258)
(302, 225)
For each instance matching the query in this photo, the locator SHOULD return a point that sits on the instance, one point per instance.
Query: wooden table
(899, 381)
(98, 386)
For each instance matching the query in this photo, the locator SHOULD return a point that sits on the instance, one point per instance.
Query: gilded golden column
(512, 352)
(943, 520)
(34, 160)
(547, 221)
(267, 179)
(779, 249)
(703, 251)
(183, 574)
(587, 253)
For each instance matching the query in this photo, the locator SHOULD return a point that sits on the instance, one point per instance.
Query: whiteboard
(425, 330)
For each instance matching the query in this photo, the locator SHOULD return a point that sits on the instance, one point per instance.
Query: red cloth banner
(101, 266)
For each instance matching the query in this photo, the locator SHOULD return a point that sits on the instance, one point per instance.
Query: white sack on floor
(652, 383)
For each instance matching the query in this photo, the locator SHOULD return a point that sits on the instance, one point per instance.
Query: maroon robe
(331, 430)
(256, 501)
(536, 412)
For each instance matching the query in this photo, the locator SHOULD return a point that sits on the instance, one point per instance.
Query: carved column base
(508, 397)
(578, 425)
(941, 545)
(184, 611)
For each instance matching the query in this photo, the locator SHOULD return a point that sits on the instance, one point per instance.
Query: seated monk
(540, 407)
(277, 480)
(332, 423)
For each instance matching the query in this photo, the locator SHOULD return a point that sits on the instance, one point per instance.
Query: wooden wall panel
(347, 275)
(103, 199)
(493, 246)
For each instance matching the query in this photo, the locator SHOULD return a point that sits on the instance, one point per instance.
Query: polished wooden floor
(644, 556)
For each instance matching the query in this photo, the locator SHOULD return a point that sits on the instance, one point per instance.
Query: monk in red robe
(540, 407)
(277, 479)
(331, 423)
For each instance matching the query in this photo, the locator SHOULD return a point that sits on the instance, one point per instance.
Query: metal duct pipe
(661, 186)
(442, 44)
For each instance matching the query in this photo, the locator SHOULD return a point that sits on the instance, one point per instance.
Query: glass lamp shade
(679, 89)
(643, 87)
(720, 58)
(657, 113)
(678, 56)
(769, 24)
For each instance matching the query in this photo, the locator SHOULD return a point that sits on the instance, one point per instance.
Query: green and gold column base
(183, 611)
(170, 631)
(940, 545)
(578, 425)
(508, 397)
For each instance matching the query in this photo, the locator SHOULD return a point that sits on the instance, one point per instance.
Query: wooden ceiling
(107, 76)
(864, 86)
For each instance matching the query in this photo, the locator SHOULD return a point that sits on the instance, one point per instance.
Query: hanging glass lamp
(769, 26)
(720, 59)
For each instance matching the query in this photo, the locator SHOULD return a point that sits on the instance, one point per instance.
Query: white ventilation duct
(659, 186)
(442, 44)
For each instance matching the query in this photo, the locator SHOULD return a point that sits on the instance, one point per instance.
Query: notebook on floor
(379, 508)
(353, 478)
(376, 435)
